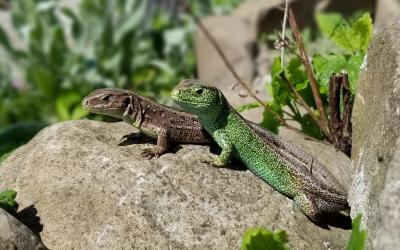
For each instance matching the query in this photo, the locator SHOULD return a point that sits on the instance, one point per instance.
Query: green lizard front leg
(226, 146)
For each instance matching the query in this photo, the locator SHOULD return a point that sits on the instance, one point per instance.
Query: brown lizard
(153, 119)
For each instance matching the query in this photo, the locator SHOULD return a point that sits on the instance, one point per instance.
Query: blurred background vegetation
(56, 52)
(64, 52)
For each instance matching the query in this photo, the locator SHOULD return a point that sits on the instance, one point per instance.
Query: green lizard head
(199, 98)
(111, 102)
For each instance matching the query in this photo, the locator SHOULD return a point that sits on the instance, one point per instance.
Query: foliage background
(56, 54)
(65, 52)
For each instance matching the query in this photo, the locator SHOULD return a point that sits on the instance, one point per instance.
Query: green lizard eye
(199, 91)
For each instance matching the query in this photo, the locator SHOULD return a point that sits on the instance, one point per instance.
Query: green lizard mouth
(191, 103)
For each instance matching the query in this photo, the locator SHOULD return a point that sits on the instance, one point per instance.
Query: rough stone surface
(91, 193)
(234, 37)
(255, 11)
(388, 231)
(376, 128)
(15, 235)
(387, 11)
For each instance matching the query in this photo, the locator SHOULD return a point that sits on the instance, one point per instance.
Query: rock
(376, 129)
(387, 11)
(255, 11)
(91, 193)
(239, 48)
(235, 39)
(15, 235)
(388, 231)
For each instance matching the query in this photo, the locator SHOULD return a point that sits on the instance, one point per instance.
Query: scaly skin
(238, 138)
(153, 119)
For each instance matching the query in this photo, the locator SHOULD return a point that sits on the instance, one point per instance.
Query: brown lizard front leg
(160, 148)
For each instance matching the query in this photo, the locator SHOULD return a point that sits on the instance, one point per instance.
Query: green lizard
(268, 157)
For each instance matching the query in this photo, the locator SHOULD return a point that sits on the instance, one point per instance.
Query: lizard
(153, 119)
(267, 156)
(169, 124)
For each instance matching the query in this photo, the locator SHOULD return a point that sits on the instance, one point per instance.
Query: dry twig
(283, 32)
(310, 74)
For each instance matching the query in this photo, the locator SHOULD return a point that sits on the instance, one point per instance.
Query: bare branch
(310, 74)
(283, 31)
(334, 107)
(301, 101)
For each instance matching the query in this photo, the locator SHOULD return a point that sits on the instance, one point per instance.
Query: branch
(283, 31)
(310, 74)
(346, 119)
(302, 102)
(335, 122)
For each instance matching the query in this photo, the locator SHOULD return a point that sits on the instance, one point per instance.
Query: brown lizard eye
(106, 98)
(199, 91)
(127, 101)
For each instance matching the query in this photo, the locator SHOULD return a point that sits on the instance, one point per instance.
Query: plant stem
(310, 74)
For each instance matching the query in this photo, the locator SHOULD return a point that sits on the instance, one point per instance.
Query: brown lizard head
(111, 102)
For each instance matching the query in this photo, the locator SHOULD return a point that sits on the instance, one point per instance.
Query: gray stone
(388, 231)
(376, 128)
(91, 193)
(15, 235)
(235, 39)
(387, 11)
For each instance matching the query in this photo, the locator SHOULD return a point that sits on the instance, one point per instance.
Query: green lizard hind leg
(307, 205)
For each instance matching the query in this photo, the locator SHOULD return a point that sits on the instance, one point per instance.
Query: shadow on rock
(29, 217)
(135, 138)
(337, 220)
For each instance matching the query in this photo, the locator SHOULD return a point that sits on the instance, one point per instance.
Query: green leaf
(269, 120)
(296, 74)
(279, 90)
(58, 47)
(78, 113)
(65, 105)
(264, 239)
(248, 106)
(325, 66)
(353, 37)
(7, 201)
(353, 66)
(358, 236)
(4, 40)
(276, 69)
(132, 22)
(76, 26)
(361, 33)
(309, 127)
(43, 79)
(328, 22)
(17, 135)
